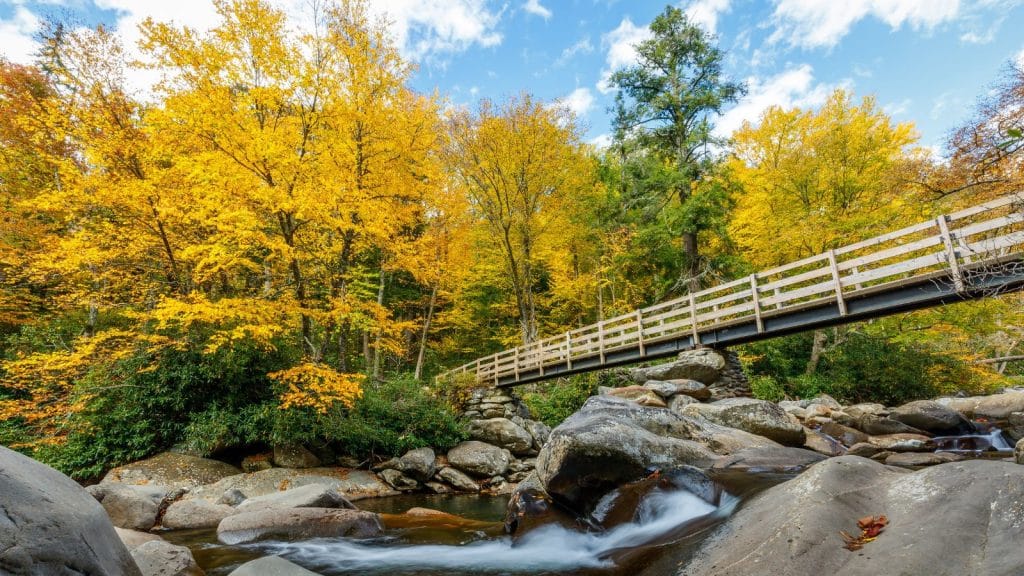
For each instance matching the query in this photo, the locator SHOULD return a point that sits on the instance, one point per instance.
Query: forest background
(285, 243)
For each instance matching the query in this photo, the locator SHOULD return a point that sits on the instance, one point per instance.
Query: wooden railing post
(640, 332)
(947, 241)
(568, 351)
(600, 340)
(837, 280)
(757, 303)
(693, 320)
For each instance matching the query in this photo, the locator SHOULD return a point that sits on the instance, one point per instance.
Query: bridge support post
(640, 332)
(947, 241)
(693, 321)
(568, 351)
(840, 302)
(757, 303)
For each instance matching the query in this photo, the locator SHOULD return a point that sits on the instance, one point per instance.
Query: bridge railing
(953, 247)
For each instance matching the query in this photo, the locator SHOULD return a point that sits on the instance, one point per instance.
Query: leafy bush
(392, 417)
(553, 403)
(767, 388)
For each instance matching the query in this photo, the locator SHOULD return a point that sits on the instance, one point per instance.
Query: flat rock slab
(353, 484)
(50, 525)
(947, 520)
(921, 459)
(298, 523)
(160, 558)
(129, 506)
(172, 470)
(996, 406)
(309, 496)
(271, 566)
(195, 513)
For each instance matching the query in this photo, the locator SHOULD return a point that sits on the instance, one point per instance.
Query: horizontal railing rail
(953, 247)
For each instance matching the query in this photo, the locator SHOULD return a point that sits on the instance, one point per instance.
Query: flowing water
(663, 517)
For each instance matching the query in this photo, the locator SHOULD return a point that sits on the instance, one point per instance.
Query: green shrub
(553, 403)
(392, 417)
(767, 388)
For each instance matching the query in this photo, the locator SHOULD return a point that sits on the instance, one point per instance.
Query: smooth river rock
(50, 526)
(271, 566)
(352, 484)
(993, 407)
(479, 458)
(298, 523)
(172, 470)
(948, 520)
(503, 433)
(131, 507)
(309, 496)
(755, 416)
(930, 416)
(196, 513)
(160, 558)
(703, 365)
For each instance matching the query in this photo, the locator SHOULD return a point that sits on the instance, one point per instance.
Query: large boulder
(309, 496)
(1018, 451)
(172, 470)
(669, 388)
(703, 365)
(540, 432)
(298, 523)
(417, 464)
(479, 458)
(195, 513)
(502, 433)
(878, 425)
(609, 442)
(352, 484)
(772, 459)
(294, 456)
(271, 566)
(160, 558)
(458, 480)
(844, 434)
(755, 416)
(50, 525)
(994, 407)
(129, 506)
(132, 539)
(793, 528)
(930, 416)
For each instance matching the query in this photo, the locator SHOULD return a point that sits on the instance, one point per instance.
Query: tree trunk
(423, 336)
(817, 348)
(692, 252)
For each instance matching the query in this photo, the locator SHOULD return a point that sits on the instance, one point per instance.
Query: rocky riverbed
(646, 478)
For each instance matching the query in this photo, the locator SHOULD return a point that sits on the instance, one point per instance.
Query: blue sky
(927, 61)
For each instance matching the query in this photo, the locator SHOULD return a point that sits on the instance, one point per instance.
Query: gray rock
(309, 496)
(793, 528)
(294, 456)
(458, 480)
(872, 408)
(129, 506)
(669, 388)
(993, 407)
(257, 462)
(172, 470)
(503, 433)
(920, 459)
(863, 449)
(186, 514)
(680, 401)
(160, 558)
(479, 458)
(298, 523)
(903, 442)
(132, 539)
(353, 484)
(398, 480)
(1014, 426)
(824, 400)
(776, 459)
(848, 436)
(231, 497)
(815, 440)
(49, 525)
(438, 487)
(1018, 451)
(703, 365)
(610, 442)
(878, 426)
(271, 566)
(931, 416)
(755, 416)
(417, 464)
(540, 432)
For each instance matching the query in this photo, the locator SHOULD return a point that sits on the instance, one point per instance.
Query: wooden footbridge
(974, 253)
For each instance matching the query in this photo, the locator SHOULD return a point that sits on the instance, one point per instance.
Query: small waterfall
(992, 441)
(548, 549)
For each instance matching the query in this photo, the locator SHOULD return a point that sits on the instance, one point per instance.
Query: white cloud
(601, 141)
(621, 44)
(705, 12)
(579, 101)
(426, 28)
(16, 43)
(793, 87)
(897, 108)
(534, 7)
(1019, 59)
(583, 46)
(823, 23)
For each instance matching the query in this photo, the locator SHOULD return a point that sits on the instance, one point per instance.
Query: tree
(522, 165)
(664, 112)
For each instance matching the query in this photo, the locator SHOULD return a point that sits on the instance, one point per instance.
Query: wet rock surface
(172, 470)
(298, 523)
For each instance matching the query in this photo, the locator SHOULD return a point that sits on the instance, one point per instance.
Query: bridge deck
(974, 253)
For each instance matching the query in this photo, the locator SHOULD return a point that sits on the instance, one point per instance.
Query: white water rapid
(548, 549)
